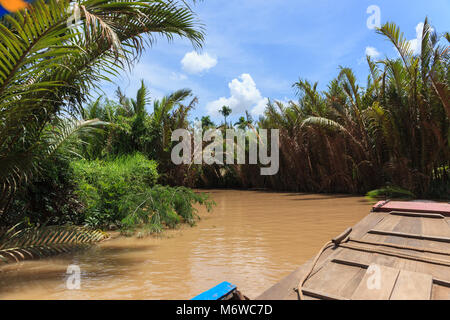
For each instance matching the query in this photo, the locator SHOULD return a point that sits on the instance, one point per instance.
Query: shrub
(106, 187)
(163, 206)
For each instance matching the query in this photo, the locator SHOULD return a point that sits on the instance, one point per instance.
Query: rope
(303, 280)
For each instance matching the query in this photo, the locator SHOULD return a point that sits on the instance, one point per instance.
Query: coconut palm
(162, 110)
(225, 111)
(207, 122)
(244, 122)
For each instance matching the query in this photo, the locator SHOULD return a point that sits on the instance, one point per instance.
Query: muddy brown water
(251, 239)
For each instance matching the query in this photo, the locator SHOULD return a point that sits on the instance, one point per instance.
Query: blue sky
(256, 49)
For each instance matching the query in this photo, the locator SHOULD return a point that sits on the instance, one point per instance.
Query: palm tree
(394, 132)
(142, 100)
(48, 68)
(244, 122)
(161, 113)
(225, 111)
(207, 122)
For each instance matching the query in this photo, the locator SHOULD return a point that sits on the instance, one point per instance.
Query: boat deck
(390, 254)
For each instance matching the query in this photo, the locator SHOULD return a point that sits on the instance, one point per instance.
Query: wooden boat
(401, 250)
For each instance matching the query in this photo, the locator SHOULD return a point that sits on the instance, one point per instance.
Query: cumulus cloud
(243, 96)
(372, 52)
(415, 44)
(193, 62)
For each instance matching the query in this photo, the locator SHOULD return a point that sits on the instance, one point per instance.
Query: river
(251, 239)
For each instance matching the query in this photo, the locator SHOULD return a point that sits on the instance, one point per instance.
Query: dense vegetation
(53, 167)
(390, 137)
(395, 132)
(108, 188)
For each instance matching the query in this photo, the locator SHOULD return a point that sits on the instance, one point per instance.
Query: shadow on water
(99, 261)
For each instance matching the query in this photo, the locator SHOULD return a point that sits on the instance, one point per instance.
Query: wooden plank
(436, 271)
(367, 223)
(388, 223)
(370, 291)
(411, 225)
(410, 235)
(412, 286)
(351, 263)
(321, 295)
(332, 278)
(441, 282)
(440, 292)
(406, 224)
(349, 288)
(417, 215)
(435, 228)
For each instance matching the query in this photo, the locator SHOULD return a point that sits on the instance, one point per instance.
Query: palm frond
(48, 68)
(142, 99)
(17, 244)
(398, 39)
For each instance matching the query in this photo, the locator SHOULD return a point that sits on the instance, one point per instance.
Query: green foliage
(390, 192)
(48, 69)
(133, 129)
(225, 111)
(244, 122)
(48, 199)
(122, 193)
(107, 187)
(207, 122)
(163, 206)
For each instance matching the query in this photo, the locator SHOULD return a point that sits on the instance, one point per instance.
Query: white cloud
(415, 44)
(243, 96)
(372, 52)
(178, 76)
(193, 62)
(159, 77)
